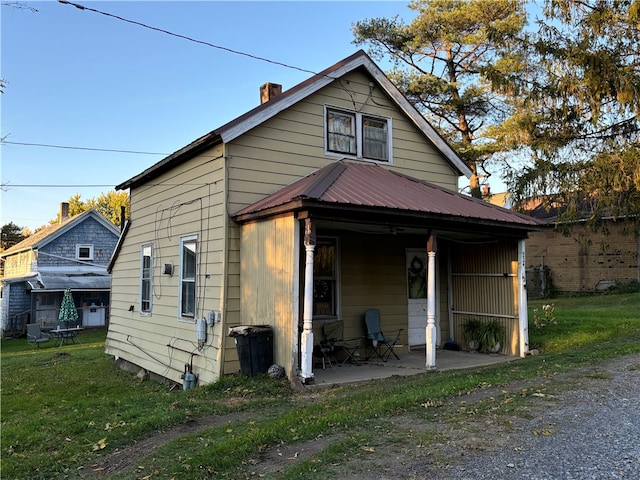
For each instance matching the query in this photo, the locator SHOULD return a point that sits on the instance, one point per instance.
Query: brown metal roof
(373, 186)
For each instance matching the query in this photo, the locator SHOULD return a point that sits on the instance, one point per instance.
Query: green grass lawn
(63, 408)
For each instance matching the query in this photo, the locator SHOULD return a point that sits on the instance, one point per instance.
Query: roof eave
(116, 251)
(61, 230)
(255, 117)
(187, 152)
(386, 215)
(261, 113)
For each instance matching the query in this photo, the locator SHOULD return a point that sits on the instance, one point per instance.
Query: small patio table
(64, 335)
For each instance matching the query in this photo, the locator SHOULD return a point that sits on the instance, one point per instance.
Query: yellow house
(330, 198)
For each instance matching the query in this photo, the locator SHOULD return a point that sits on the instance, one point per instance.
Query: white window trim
(182, 318)
(359, 135)
(146, 313)
(84, 245)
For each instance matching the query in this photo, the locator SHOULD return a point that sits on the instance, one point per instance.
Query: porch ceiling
(372, 195)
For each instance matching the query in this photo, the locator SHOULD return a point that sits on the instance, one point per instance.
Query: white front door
(417, 296)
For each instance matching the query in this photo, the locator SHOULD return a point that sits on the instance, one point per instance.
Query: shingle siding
(89, 232)
(52, 255)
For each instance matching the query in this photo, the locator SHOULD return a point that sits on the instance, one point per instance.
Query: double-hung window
(358, 135)
(375, 139)
(188, 263)
(341, 132)
(325, 278)
(146, 278)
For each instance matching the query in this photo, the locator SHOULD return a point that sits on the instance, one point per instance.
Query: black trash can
(255, 349)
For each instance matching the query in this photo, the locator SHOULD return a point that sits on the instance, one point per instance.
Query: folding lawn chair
(381, 344)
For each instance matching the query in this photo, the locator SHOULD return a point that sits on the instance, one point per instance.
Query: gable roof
(267, 110)
(371, 187)
(48, 234)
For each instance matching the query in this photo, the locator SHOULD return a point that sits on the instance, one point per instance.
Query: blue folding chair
(381, 344)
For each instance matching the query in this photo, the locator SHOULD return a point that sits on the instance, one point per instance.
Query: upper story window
(358, 135)
(146, 278)
(188, 263)
(84, 252)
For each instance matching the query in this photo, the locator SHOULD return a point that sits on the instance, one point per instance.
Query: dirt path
(433, 443)
(120, 460)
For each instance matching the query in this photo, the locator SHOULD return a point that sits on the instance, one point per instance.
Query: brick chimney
(269, 91)
(64, 212)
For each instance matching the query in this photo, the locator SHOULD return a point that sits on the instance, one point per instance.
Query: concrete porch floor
(410, 363)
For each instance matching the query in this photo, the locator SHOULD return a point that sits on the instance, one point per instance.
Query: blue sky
(76, 78)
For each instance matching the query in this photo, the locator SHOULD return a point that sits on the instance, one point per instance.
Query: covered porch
(410, 363)
(351, 237)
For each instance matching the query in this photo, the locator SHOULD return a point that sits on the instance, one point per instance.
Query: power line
(45, 185)
(190, 39)
(81, 148)
(8, 185)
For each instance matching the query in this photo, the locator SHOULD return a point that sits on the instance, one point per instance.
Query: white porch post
(431, 333)
(523, 320)
(306, 368)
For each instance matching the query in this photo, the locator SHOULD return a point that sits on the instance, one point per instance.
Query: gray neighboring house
(71, 254)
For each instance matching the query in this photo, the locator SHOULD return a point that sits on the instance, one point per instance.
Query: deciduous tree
(107, 204)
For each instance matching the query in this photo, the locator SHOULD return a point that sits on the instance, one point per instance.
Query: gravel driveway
(590, 431)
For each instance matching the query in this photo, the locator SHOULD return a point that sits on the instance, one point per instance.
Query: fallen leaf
(102, 443)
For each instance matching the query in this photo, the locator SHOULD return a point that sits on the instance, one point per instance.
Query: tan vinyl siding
(188, 200)
(268, 269)
(291, 145)
(375, 277)
(484, 286)
(197, 196)
(372, 277)
(231, 364)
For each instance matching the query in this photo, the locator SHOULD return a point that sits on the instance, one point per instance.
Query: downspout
(306, 372)
(431, 333)
(523, 320)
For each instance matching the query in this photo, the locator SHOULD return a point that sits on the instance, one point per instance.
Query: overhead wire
(137, 152)
(177, 35)
(190, 39)
(93, 149)
(212, 45)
